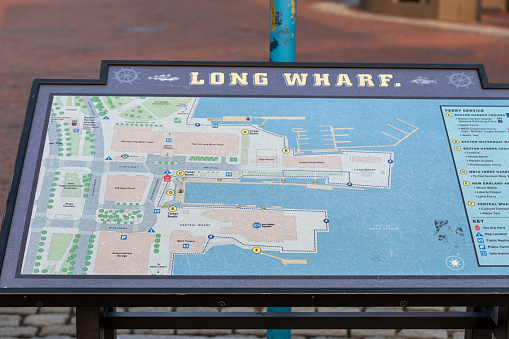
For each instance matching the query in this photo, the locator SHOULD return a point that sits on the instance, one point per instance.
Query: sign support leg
(279, 333)
(502, 317)
(90, 323)
(109, 333)
(477, 333)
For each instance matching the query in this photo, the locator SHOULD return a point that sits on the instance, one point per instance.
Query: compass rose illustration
(454, 262)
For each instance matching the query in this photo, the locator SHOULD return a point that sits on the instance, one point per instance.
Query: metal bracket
(298, 320)
(480, 323)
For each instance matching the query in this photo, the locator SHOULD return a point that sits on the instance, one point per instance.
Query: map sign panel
(169, 175)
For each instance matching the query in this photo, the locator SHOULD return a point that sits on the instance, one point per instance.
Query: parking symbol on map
(482, 247)
(123, 237)
(157, 211)
(480, 240)
(185, 245)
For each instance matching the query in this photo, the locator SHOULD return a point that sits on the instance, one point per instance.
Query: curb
(344, 10)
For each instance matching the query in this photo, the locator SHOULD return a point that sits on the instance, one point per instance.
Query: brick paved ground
(68, 39)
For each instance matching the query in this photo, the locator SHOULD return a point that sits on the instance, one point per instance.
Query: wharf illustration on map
(144, 185)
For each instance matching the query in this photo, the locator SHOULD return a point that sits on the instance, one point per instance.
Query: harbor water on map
(409, 229)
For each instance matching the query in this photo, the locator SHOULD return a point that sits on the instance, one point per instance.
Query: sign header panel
(223, 177)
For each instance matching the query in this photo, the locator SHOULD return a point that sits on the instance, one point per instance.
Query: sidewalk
(492, 24)
(68, 39)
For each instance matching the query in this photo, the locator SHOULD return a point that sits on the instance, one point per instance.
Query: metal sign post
(283, 20)
(279, 333)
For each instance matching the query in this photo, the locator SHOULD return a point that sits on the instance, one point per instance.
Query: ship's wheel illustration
(460, 80)
(126, 75)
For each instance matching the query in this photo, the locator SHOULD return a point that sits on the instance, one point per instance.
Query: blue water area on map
(409, 229)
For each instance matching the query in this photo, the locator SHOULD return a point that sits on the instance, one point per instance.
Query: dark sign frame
(265, 290)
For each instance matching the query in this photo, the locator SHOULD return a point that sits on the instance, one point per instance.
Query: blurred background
(68, 39)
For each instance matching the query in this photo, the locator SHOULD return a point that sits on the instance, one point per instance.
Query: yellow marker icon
(183, 178)
(245, 131)
(164, 206)
(264, 208)
(463, 172)
(315, 182)
(170, 192)
(180, 173)
(219, 179)
(256, 250)
(172, 208)
(471, 203)
(457, 148)
(466, 183)
(286, 150)
(260, 126)
(283, 180)
(209, 119)
(237, 207)
(455, 142)
(448, 115)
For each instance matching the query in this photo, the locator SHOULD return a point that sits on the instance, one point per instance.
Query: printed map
(186, 185)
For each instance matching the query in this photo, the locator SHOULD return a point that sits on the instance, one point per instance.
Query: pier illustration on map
(112, 196)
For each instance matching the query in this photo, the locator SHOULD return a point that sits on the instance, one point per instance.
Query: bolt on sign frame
(263, 184)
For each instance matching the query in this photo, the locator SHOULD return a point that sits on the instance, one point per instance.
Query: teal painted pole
(283, 22)
(279, 334)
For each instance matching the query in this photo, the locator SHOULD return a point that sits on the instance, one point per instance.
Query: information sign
(223, 177)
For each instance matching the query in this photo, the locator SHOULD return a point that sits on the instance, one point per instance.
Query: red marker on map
(167, 178)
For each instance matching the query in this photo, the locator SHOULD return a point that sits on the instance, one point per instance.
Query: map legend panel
(479, 141)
